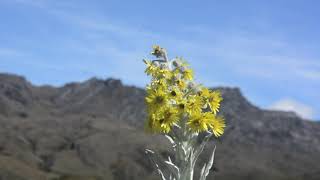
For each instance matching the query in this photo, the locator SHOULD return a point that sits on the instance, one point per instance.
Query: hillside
(93, 130)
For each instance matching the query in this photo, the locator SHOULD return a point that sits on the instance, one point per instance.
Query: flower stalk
(181, 110)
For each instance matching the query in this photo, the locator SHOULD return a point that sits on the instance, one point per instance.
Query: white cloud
(288, 104)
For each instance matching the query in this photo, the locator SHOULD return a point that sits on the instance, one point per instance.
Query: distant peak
(233, 92)
(113, 82)
(110, 82)
(5, 77)
(234, 95)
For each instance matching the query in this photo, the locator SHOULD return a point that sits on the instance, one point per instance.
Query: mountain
(93, 130)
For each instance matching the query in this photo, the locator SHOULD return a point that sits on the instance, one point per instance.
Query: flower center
(181, 106)
(173, 93)
(159, 99)
(162, 121)
(196, 122)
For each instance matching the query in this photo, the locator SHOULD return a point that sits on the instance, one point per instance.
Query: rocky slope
(93, 131)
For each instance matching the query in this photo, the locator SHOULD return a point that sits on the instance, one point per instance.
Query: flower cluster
(175, 100)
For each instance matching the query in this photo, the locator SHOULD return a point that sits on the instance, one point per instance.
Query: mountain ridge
(65, 131)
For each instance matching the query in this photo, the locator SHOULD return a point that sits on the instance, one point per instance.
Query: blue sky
(270, 49)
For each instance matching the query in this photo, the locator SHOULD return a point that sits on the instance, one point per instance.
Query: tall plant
(181, 110)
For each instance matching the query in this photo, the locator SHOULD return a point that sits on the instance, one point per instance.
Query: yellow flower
(162, 120)
(151, 68)
(181, 83)
(214, 101)
(156, 98)
(156, 71)
(211, 98)
(161, 73)
(188, 74)
(194, 104)
(217, 125)
(205, 92)
(170, 117)
(175, 94)
(181, 104)
(198, 123)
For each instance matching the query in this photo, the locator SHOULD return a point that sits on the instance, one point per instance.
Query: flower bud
(158, 51)
(191, 85)
(183, 69)
(176, 63)
(163, 66)
(156, 63)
